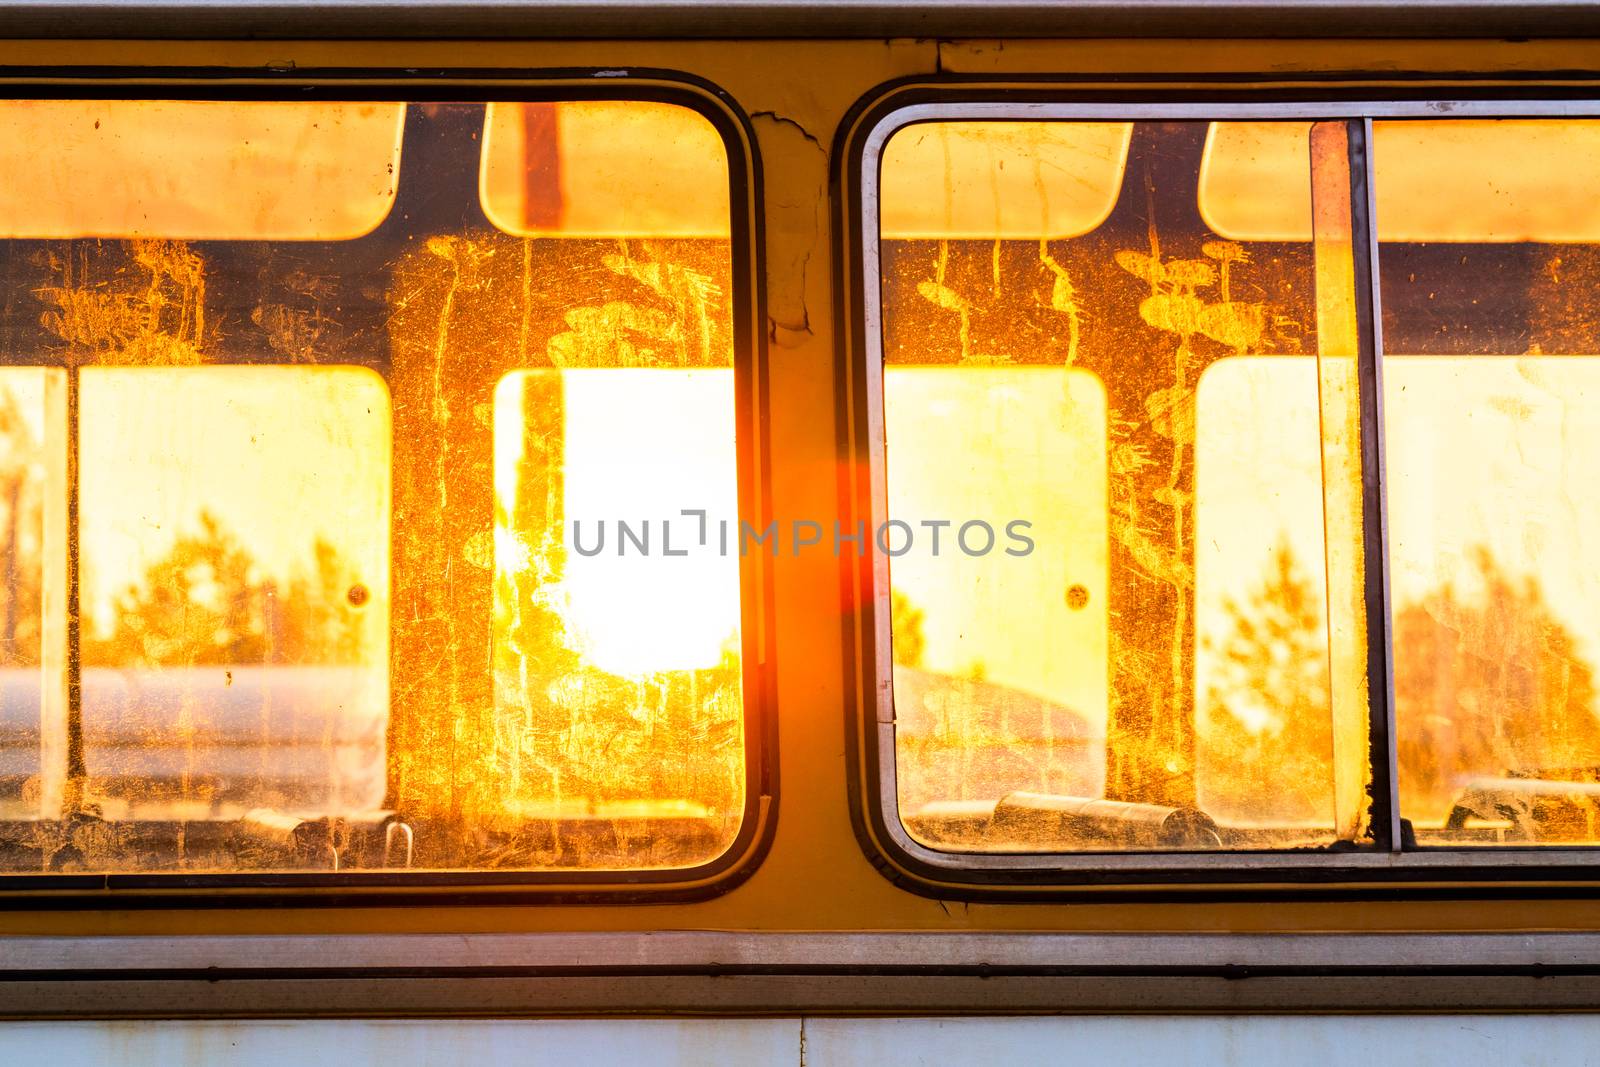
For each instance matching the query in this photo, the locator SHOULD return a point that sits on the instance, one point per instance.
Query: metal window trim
(732, 950)
(1382, 723)
(736, 973)
(1032, 876)
(47, 891)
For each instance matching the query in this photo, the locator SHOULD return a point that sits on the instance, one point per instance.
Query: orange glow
(994, 444)
(219, 562)
(604, 168)
(1001, 179)
(279, 455)
(25, 471)
(1339, 420)
(1493, 522)
(637, 444)
(618, 666)
(1260, 554)
(1444, 180)
(196, 169)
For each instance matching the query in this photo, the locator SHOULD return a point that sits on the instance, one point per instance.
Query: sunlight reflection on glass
(617, 650)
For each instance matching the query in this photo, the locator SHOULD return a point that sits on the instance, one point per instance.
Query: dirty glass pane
(322, 390)
(1139, 658)
(1491, 387)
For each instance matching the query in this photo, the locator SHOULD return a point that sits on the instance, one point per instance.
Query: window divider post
(1384, 743)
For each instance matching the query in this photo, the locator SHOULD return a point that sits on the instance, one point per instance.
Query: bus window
(1491, 376)
(1129, 400)
(310, 413)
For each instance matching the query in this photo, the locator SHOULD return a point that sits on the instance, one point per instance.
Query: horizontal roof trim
(300, 19)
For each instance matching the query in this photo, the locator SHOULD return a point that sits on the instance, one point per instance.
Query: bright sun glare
(640, 446)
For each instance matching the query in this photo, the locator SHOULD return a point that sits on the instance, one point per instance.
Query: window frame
(747, 301)
(1336, 871)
